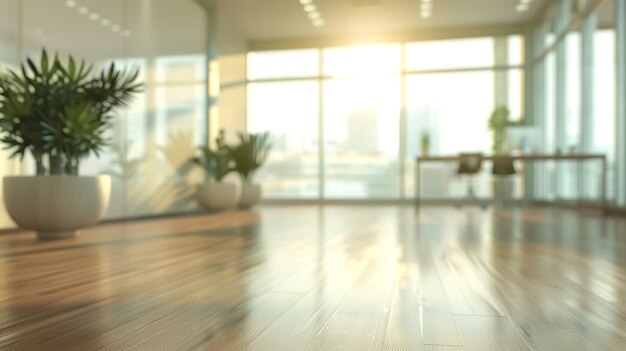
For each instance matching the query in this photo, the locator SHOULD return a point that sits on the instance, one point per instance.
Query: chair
(503, 167)
(469, 166)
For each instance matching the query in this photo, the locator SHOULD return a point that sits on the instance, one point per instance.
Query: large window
(604, 68)
(431, 55)
(453, 127)
(283, 64)
(577, 69)
(372, 112)
(548, 127)
(289, 110)
(361, 122)
(569, 175)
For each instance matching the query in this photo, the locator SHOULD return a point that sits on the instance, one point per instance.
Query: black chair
(503, 167)
(469, 166)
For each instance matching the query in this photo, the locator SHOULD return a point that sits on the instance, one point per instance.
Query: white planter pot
(56, 206)
(250, 195)
(218, 196)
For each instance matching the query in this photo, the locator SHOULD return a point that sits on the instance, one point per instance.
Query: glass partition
(152, 140)
(588, 96)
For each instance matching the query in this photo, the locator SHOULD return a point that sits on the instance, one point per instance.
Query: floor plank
(321, 278)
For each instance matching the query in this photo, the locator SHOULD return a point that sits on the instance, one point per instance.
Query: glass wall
(550, 145)
(578, 71)
(152, 141)
(568, 184)
(603, 97)
(8, 59)
(453, 127)
(360, 114)
(603, 137)
(290, 111)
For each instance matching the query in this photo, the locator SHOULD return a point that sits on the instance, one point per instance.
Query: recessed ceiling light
(116, 28)
(83, 10)
(127, 33)
(526, 1)
(70, 3)
(426, 6)
(426, 14)
(521, 7)
(105, 22)
(314, 15)
(306, 2)
(319, 22)
(310, 8)
(94, 17)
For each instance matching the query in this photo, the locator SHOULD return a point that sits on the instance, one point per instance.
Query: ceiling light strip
(523, 5)
(104, 22)
(313, 13)
(426, 8)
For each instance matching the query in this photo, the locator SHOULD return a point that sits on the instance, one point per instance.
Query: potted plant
(425, 141)
(215, 193)
(249, 155)
(58, 112)
(502, 184)
(498, 124)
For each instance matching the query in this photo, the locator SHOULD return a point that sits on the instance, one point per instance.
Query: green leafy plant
(497, 125)
(250, 153)
(59, 111)
(425, 140)
(217, 163)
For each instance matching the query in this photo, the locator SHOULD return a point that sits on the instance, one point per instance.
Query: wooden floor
(323, 278)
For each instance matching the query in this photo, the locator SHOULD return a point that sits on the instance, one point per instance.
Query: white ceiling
(272, 19)
(155, 27)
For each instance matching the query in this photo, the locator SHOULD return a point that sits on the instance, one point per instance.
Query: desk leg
(580, 192)
(603, 185)
(555, 181)
(418, 194)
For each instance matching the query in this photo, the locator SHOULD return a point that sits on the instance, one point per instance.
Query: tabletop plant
(425, 143)
(58, 111)
(250, 154)
(216, 162)
(498, 124)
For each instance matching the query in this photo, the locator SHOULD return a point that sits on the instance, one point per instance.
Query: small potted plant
(425, 141)
(249, 155)
(498, 124)
(502, 169)
(58, 112)
(216, 194)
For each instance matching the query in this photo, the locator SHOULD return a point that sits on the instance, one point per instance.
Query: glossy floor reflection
(321, 278)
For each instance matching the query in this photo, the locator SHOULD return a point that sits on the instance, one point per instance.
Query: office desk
(578, 158)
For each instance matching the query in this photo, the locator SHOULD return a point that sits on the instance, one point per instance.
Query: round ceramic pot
(218, 196)
(250, 195)
(56, 206)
